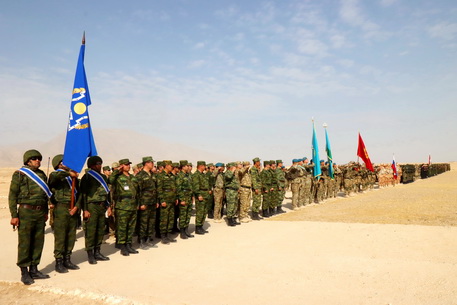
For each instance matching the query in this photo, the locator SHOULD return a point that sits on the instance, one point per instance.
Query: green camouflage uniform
(185, 192)
(231, 193)
(281, 177)
(201, 187)
(210, 204)
(245, 192)
(265, 176)
(167, 192)
(256, 186)
(274, 194)
(95, 200)
(147, 189)
(64, 224)
(24, 191)
(126, 205)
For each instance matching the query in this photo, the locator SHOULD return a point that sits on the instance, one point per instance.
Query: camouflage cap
(147, 159)
(124, 161)
(56, 160)
(93, 160)
(167, 162)
(183, 163)
(246, 163)
(210, 164)
(256, 159)
(272, 162)
(29, 154)
(175, 164)
(278, 161)
(231, 164)
(115, 164)
(160, 163)
(190, 164)
(201, 163)
(266, 162)
(106, 168)
(139, 165)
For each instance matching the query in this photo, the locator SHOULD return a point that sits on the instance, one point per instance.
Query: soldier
(176, 170)
(95, 196)
(201, 187)
(126, 205)
(147, 189)
(281, 177)
(160, 170)
(274, 191)
(184, 190)
(231, 192)
(256, 189)
(338, 173)
(294, 175)
(265, 177)
(106, 171)
(209, 172)
(29, 190)
(168, 199)
(219, 191)
(65, 206)
(245, 191)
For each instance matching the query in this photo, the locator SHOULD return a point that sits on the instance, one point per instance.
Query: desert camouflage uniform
(245, 192)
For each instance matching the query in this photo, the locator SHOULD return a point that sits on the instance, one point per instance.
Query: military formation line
(158, 200)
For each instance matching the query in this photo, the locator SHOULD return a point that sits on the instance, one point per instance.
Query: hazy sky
(242, 78)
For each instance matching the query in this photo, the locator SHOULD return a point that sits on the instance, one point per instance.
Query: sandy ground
(354, 250)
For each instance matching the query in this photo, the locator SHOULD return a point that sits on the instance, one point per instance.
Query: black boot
(124, 250)
(175, 230)
(171, 239)
(98, 256)
(210, 214)
(199, 230)
(35, 274)
(143, 243)
(68, 264)
(60, 267)
(91, 257)
(255, 216)
(235, 221)
(186, 230)
(183, 234)
(25, 276)
(165, 239)
(265, 213)
(230, 222)
(271, 211)
(130, 249)
(279, 210)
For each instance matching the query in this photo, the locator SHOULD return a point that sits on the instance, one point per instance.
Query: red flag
(362, 153)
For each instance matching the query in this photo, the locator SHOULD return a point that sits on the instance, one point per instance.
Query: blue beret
(219, 164)
(304, 158)
(321, 161)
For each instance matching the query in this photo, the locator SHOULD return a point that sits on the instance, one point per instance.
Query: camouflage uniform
(231, 192)
(245, 192)
(274, 193)
(64, 223)
(265, 176)
(185, 192)
(201, 187)
(126, 205)
(147, 189)
(219, 192)
(295, 176)
(256, 190)
(167, 192)
(212, 181)
(281, 177)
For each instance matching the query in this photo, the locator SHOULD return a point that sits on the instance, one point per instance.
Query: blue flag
(316, 160)
(329, 156)
(80, 142)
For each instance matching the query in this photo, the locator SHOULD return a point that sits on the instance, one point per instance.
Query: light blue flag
(316, 160)
(329, 156)
(80, 142)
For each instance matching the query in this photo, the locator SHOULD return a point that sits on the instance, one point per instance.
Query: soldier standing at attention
(29, 190)
(209, 172)
(160, 171)
(65, 217)
(231, 192)
(265, 176)
(281, 176)
(126, 189)
(95, 197)
(245, 192)
(219, 191)
(184, 190)
(176, 170)
(274, 188)
(147, 189)
(166, 189)
(202, 192)
(254, 171)
(295, 180)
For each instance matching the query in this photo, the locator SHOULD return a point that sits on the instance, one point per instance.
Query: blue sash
(69, 180)
(100, 179)
(31, 174)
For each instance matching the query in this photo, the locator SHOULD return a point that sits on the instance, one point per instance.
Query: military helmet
(29, 154)
(56, 161)
(93, 160)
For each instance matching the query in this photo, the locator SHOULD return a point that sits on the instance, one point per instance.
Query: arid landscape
(394, 245)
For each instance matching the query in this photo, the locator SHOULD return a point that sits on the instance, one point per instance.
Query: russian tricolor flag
(394, 167)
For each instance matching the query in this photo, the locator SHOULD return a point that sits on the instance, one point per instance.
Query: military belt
(232, 188)
(33, 207)
(247, 187)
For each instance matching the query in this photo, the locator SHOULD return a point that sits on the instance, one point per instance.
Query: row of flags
(80, 144)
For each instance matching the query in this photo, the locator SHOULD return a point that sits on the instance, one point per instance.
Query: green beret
(175, 164)
(167, 162)
(29, 154)
(124, 161)
(256, 159)
(147, 159)
(56, 161)
(93, 160)
(201, 163)
(106, 168)
(183, 163)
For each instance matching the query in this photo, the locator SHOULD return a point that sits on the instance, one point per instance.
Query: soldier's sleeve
(196, 184)
(14, 193)
(159, 188)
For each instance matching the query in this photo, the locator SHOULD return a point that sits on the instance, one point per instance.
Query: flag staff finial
(84, 38)
(325, 125)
